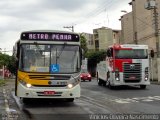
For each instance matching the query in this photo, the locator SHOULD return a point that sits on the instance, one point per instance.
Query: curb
(156, 83)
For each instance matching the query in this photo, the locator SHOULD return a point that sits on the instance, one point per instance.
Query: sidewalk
(155, 82)
(8, 109)
(2, 104)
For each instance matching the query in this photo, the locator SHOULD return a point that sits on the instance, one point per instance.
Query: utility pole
(155, 15)
(69, 27)
(152, 5)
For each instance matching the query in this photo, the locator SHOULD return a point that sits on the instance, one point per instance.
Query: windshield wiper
(39, 49)
(61, 50)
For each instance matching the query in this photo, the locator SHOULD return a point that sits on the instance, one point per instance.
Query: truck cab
(125, 65)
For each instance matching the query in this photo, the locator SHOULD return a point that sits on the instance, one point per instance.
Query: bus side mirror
(152, 53)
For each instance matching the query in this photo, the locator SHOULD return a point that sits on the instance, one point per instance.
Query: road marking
(137, 99)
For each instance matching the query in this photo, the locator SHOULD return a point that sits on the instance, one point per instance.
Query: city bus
(48, 65)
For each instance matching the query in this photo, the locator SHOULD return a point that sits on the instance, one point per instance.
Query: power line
(69, 27)
(97, 11)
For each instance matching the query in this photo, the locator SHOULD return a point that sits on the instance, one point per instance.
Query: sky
(85, 15)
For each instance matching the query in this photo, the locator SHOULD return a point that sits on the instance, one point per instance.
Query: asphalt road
(94, 100)
(125, 99)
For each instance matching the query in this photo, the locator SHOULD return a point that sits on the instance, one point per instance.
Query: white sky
(85, 15)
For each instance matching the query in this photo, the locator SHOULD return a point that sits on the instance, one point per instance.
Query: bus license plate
(49, 92)
(132, 77)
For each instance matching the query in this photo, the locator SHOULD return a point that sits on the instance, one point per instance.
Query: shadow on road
(124, 87)
(31, 103)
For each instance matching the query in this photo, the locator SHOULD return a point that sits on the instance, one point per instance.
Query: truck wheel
(100, 82)
(143, 86)
(110, 86)
(104, 83)
(97, 76)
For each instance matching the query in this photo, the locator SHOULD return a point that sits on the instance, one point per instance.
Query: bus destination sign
(50, 36)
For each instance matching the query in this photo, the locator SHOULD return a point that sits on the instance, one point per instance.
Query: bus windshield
(49, 58)
(131, 54)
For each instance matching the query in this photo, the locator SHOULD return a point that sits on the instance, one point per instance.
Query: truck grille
(132, 72)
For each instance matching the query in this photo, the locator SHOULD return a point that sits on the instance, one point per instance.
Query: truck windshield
(131, 54)
(50, 58)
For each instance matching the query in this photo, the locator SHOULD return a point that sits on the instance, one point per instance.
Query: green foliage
(83, 41)
(4, 59)
(97, 56)
(2, 82)
(94, 57)
(8, 61)
(12, 65)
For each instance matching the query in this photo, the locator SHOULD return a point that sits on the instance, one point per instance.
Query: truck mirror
(152, 53)
(108, 53)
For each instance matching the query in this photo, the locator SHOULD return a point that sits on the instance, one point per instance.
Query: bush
(2, 82)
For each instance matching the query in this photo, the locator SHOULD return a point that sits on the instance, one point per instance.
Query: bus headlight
(28, 85)
(25, 84)
(70, 85)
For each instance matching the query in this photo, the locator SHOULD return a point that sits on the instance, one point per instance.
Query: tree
(4, 59)
(12, 65)
(8, 61)
(94, 57)
(83, 43)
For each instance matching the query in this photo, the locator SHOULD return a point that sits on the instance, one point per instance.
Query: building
(139, 27)
(104, 37)
(127, 28)
(90, 42)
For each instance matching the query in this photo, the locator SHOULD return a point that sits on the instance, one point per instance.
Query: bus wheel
(70, 99)
(25, 100)
(143, 86)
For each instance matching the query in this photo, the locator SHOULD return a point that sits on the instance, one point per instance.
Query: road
(125, 99)
(95, 100)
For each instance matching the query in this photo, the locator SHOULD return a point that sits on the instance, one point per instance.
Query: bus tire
(25, 100)
(143, 86)
(70, 99)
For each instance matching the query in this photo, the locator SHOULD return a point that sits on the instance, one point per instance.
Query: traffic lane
(124, 99)
(123, 91)
(40, 109)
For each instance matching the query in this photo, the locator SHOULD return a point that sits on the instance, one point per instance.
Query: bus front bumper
(48, 92)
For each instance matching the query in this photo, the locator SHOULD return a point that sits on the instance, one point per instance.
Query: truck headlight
(70, 85)
(117, 74)
(146, 74)
(146, 77)
(117, 79)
